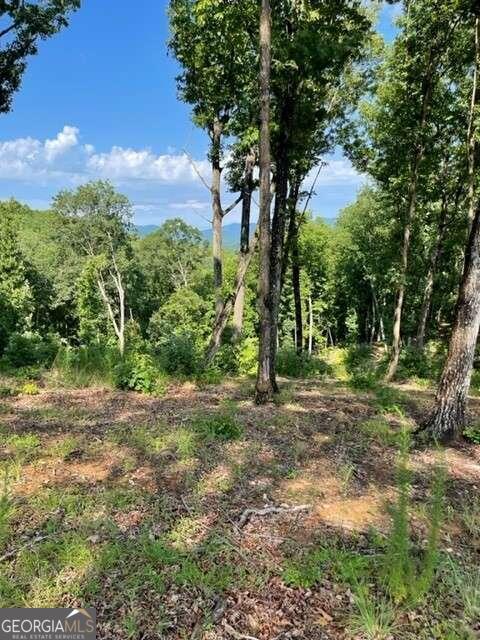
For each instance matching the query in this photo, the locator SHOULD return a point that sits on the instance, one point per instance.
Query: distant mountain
(230, 236)
(146, 229)
(231, 232)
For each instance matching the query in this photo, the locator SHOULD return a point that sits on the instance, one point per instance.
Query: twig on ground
(248, 513)
(14, 552)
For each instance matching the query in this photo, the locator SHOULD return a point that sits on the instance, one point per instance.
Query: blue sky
(99, 101)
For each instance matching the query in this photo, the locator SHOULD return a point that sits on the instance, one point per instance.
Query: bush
(139, 372)
(179, 354)
(248, 357)
(27, 349)
(300, 365)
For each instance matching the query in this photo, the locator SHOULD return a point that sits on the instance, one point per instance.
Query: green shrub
(179, 354)
(408, 578)
(300, 365)
(29, 348)
(139, 372)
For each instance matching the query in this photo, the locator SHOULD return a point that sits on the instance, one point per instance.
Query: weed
(379, 429)
(218, 426)
(30, 389)
(374, 618)
(24, 447)
(472, 434)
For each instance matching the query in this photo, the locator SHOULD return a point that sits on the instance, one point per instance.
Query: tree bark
(427, 89)
(447, 420)
(217, 215)
(264, 388)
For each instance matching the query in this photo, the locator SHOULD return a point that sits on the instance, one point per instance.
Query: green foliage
(7, 508)
(30, 348)
(139, 372)
(221, 425)
(406, 578)
(85, 366)
(30, 389)
(472, 434)
(300, 365)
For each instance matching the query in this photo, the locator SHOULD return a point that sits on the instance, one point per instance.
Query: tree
(97, 225)
(25, 24)
(448, 418)
(264, 388)
(16, 298)
(213, 43)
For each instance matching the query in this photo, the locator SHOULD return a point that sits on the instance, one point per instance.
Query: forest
(278, 439)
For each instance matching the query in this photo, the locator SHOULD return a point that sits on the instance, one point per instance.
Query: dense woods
(383, 303)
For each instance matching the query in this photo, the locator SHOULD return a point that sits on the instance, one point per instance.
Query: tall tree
(97, 220)
(264, 389)
(448, 418)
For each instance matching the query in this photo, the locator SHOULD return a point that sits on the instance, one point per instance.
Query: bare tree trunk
(239, 306)
(432, 270)
(447, 421)
(427, 89)
(264, 388)
(217, 215)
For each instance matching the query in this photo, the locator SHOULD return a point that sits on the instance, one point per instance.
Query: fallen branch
(235, 634)
(14, 552)
(248, 513)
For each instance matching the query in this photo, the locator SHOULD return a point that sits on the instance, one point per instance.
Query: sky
(100, 101)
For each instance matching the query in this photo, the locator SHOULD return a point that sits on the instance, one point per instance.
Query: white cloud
(65, 140)
(62, 157)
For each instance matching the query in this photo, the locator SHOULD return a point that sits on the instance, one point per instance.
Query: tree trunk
(447, 420)
(432, 270)
(278, 228)
(427, 89)
(264, 388)
(217, 214)
(247, 188)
